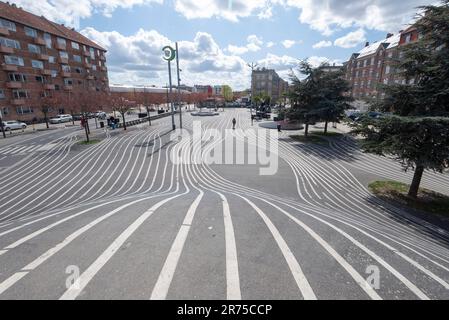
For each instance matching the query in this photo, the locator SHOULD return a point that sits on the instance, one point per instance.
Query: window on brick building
(17, 77)
(63, 54)
(68, 82)
(61, 41)
(37, 64)
(40, 79)
(77, 58)
(5, 110)
(75, 45)
(11, 26)
(47, 38)
(54, 73)
(66, 68)
(2, 94)
(387, 69)
(34, 48)
(408, 38)
(20, 94)
(9, 43)
(14, 60)
(24, 110)
(31, 32)
(51, 59)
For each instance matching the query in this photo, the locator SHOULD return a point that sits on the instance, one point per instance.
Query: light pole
(169, 55)
(252, 65)
(179, 89)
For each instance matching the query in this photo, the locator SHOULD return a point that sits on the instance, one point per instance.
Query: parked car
(13, 125)
(101, 115)
(61, 118)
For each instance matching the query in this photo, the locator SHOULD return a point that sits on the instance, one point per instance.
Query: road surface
(120, 220)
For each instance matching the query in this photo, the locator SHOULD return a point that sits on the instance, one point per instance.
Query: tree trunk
(307, 130)
(414, 188)
(46, 120)
(2, 128)
(325, 127)
(85, 129)
(124, 123)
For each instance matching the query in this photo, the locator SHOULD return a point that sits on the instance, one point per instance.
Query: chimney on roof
(366, 44)
(389, 35)
(14, 5)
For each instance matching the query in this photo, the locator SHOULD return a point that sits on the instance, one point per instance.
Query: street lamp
(252, 65)
(169, 55)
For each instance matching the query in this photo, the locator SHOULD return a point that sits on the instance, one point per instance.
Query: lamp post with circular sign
(169, 55)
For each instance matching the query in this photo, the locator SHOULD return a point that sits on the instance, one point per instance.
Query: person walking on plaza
(233, 123)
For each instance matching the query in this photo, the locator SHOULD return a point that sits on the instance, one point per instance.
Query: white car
(13, 125)
(61, 118)
(101, 115)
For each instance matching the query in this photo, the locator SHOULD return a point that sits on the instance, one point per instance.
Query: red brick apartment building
(374, 65)
(43, 61)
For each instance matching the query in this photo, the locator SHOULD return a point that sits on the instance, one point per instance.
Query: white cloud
(237, 50)
(288, 43)
(137, 59)
(317, 61)
(351, 40)
(270, 44)
(70, 12)
(322, 44)
(254, 44)
(328, 15)
(230, 10)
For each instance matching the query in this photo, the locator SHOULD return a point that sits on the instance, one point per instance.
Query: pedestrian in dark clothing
(279, 127)
(233, 123)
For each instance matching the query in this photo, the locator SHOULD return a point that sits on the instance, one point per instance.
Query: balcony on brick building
(68, 88)
(90, 77)
(42, 56)
(10, 67)
(63, 60)
(66, 74)
(87, 65)
(40, 41)
(17, 102)
(14, 85)
(46, 72)
(60, 46)
(49, 87)
(4, 31)
(4, 49)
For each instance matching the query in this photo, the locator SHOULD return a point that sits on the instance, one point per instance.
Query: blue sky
(217, 38)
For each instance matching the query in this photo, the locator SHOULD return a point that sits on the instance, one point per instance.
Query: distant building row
(39, 59)
(267, 81)
(374, 65)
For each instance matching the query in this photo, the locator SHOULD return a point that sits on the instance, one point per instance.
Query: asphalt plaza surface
(119, 220)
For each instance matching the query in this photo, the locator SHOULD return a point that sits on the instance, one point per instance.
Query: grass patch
(428, 201)
(328, 134)
(92, 141)
(310, 139)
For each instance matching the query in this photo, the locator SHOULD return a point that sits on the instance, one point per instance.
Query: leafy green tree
(228, 95)
(418, 134)
(333, 101)
(319, 97)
